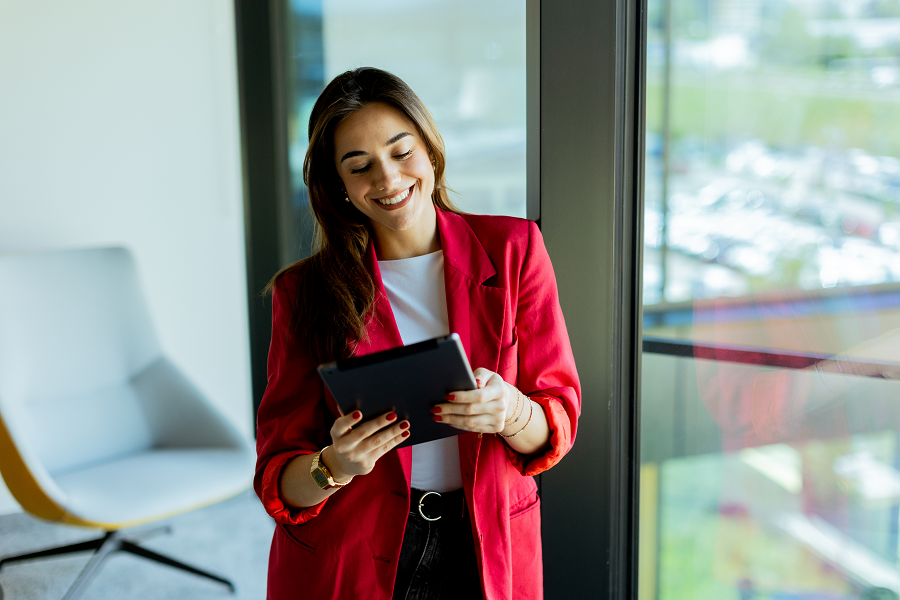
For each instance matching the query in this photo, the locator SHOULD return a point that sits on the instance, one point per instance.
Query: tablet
(408, 380)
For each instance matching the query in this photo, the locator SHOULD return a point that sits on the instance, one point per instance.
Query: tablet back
(409, 380)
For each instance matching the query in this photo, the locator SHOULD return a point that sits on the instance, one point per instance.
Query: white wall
(119, 125)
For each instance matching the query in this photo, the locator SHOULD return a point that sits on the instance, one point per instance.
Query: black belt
(433, 506)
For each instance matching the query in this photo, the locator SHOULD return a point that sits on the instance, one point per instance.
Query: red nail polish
(438, 418)
(356, 415)
(404, 425)
(450, 397)
(391, 416)
(436, 409)
(478, 382)
(404, 434)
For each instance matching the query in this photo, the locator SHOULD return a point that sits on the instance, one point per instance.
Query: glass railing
(768, 474)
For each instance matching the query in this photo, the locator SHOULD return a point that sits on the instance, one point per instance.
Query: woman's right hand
(356, 448)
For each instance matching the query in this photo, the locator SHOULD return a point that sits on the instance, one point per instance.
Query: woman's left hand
(483, 410)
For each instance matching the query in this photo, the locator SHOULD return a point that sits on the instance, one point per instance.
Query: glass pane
(464, 58)
(770, 402)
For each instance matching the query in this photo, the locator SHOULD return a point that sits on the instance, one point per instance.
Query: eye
(405, 155)
(364, 169)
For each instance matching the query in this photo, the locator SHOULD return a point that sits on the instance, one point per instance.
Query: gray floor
(230, 538)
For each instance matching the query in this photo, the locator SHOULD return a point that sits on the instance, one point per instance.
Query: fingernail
(391, 416)
(404, 425)
(436, 409)
(478, 382)
(404, 434)
(450, 397)
(438, 418)
(356, 415)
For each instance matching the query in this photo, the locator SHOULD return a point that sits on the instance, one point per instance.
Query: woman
(397, 263)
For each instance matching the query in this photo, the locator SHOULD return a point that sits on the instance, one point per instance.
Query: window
(770, 415)
(464, 58)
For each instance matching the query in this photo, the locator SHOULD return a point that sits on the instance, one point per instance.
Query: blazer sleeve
(293, 417)
(546, 371)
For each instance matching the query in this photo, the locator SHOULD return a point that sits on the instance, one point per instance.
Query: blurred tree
(787, 41)
(832, 48)
(882, 9)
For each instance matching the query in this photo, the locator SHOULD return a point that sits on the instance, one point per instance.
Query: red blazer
(502, 301)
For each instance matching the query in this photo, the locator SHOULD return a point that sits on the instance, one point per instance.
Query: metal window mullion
(630, 135)
(533, 109)
(591, 213)
(264, 164)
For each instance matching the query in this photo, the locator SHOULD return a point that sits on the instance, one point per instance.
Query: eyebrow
(396, 138)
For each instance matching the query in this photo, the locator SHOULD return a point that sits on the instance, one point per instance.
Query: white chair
(97, 427)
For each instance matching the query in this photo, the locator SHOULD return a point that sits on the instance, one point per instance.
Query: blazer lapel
(475, 310)
(381, 330)
(382, 334)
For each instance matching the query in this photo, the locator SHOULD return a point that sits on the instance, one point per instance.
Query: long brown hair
(335, 291)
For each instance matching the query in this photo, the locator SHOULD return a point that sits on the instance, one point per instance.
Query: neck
(421, 239)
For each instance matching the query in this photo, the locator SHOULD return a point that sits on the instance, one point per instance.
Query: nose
(387, 176)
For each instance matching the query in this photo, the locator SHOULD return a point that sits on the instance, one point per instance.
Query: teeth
(398, 198)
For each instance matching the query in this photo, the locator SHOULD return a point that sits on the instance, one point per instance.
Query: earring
(346, 195)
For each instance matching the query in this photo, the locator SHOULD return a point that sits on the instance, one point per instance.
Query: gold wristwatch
(321, 475)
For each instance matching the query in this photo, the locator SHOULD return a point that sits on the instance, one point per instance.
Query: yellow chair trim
(21, 483)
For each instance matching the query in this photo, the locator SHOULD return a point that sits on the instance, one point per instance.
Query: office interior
(718, 186)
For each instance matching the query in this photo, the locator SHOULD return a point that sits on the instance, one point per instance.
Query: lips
(395, 201)
(396, 198)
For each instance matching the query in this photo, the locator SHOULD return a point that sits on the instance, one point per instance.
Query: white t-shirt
(415, 289)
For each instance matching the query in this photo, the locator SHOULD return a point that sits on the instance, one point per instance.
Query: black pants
(437, 559)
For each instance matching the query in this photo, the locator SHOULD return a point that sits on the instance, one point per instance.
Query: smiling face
(386, 169)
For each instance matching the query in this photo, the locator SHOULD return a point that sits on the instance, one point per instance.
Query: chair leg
(127, 546)
(110, 544)
(79, 547)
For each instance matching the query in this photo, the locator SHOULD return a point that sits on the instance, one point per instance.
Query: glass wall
(464, 58)
(770, 406)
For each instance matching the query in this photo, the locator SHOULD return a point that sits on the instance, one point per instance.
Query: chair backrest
(74, 331)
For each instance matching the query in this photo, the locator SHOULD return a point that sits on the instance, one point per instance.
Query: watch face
(320, 478)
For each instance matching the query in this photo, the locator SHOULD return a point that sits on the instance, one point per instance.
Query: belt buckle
(422, 502)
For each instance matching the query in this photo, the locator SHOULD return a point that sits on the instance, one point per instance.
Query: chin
(401, 226)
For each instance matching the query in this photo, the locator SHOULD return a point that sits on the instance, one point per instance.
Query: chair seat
(154, 484)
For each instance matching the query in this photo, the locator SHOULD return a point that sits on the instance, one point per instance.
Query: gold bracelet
(531, 414)
(518, 398)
